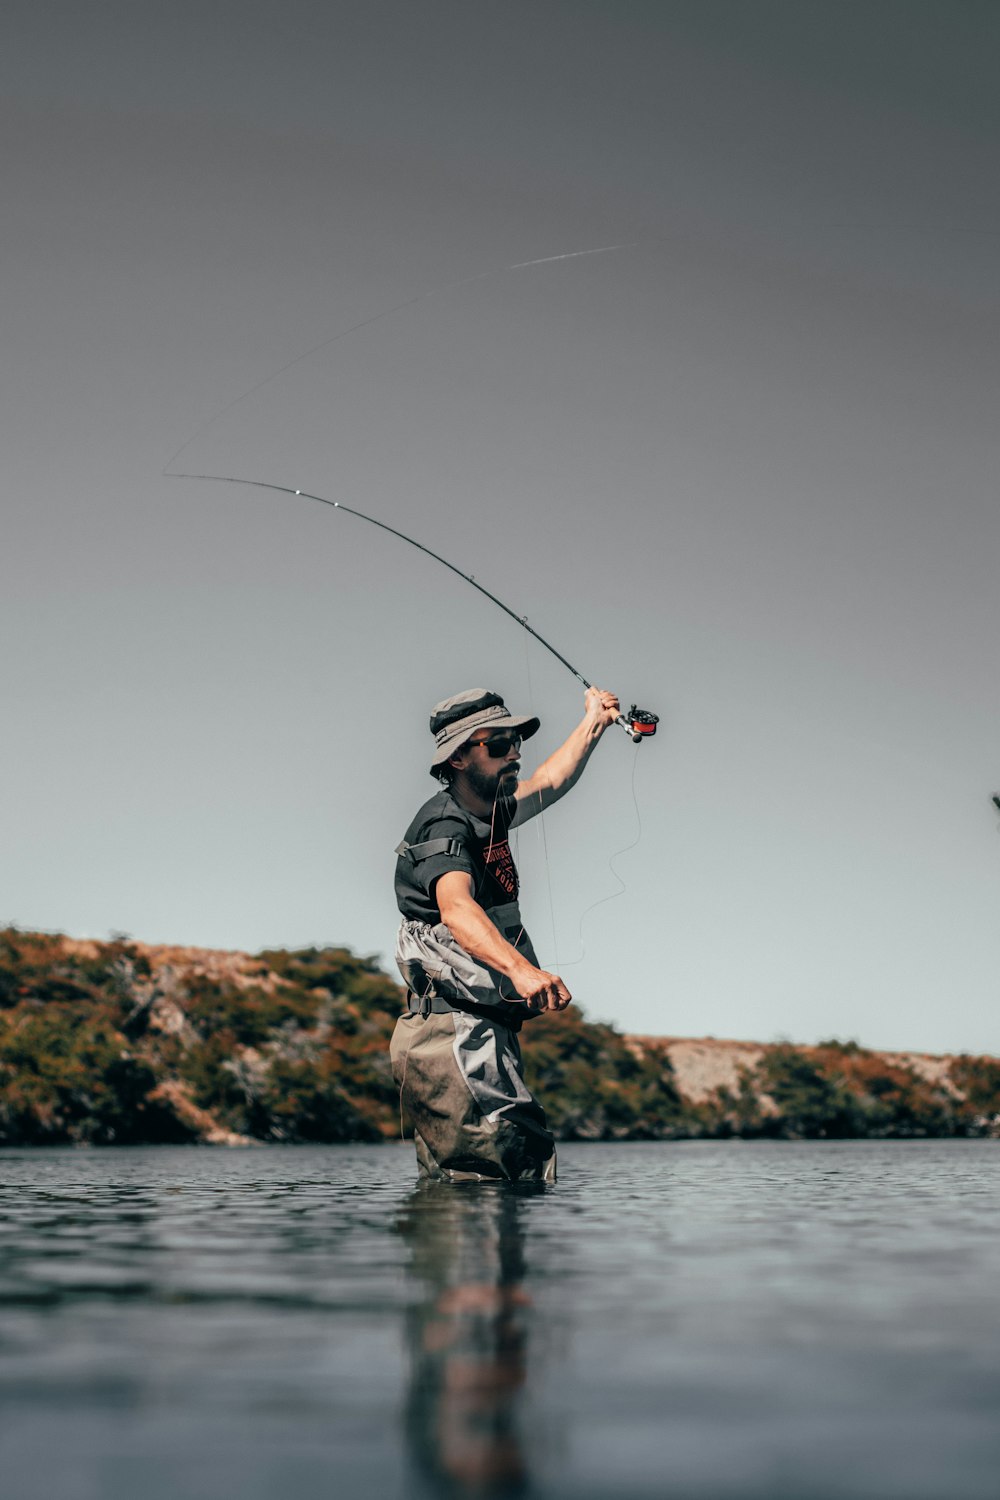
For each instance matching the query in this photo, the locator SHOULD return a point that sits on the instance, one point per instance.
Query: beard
(493, 786)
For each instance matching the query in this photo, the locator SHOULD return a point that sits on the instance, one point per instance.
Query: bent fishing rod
(638, 723)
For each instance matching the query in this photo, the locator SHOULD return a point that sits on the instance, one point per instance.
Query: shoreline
(121, 1042)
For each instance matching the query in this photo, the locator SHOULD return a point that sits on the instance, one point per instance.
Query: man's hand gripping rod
(638, 723)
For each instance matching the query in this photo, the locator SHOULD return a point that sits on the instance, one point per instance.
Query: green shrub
(809, 1103)
(592, 1084)
(66, 1074)
(979, 1080)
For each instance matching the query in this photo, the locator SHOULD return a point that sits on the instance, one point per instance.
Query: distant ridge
(122, 1042)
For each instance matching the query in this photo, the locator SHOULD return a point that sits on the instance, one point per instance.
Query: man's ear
(458, 759)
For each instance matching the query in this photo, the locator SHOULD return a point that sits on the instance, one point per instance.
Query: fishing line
(540, 829)
(622, 887)
(377, 317)
(558, 967)
(406, 302)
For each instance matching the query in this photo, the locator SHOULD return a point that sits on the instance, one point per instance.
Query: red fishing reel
(640, 723)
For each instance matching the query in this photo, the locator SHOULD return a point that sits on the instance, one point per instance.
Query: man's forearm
(472, 929)
(565, 766)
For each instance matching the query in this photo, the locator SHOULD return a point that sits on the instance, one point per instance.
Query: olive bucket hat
(456, 719)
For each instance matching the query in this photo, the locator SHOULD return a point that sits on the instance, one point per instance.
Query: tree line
(101, 1045)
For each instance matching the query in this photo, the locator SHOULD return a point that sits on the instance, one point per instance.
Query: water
(814, 1321)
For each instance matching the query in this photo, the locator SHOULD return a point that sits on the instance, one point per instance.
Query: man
(471, 972)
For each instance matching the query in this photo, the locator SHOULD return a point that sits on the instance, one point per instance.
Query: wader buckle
(426, 1004)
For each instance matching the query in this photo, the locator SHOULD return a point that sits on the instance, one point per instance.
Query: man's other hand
(542, 991)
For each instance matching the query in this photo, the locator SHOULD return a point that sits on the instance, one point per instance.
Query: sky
(741, 469)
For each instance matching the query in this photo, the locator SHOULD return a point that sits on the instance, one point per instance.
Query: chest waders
(456, 1056)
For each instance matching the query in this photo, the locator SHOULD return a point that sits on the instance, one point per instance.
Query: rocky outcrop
(703, 1065)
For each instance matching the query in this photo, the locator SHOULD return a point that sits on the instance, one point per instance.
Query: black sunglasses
(498, 745)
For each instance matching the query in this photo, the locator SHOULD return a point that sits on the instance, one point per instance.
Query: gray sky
(744, 471)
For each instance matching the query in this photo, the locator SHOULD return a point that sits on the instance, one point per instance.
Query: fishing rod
(638, 723)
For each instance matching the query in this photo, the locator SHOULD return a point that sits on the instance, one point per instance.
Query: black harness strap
(417, 852)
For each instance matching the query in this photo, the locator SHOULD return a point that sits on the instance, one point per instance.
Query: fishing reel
(639, 723)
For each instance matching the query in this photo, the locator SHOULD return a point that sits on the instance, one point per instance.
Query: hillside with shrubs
(124, 1043)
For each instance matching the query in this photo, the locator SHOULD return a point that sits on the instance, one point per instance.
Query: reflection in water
(468, 1334)
(752, 1321)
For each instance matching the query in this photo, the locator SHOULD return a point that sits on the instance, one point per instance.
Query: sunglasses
(498, 745)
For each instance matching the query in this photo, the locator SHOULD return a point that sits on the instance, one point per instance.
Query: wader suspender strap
(416, 852)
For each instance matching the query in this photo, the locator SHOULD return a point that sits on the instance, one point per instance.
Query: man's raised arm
(564, 766)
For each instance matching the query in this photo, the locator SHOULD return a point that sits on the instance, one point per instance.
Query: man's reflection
(468, 1333)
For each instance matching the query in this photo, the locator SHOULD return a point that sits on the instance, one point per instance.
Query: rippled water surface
(690, 1319)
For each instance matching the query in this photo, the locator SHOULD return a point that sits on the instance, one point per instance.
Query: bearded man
(471, 972)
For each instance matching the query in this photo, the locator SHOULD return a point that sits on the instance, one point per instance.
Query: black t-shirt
(484, 853)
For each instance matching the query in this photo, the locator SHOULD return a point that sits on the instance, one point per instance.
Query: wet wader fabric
(473, 1116)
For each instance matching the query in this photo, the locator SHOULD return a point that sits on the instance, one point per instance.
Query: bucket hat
(455, 719)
